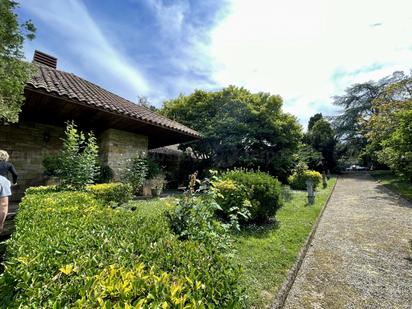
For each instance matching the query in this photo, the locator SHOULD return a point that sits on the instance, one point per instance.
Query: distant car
(355, 167)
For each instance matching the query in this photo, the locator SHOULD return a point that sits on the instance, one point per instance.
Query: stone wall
(27, 145)
(117, 148)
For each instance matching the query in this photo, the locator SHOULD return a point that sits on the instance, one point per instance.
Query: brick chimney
(45, 59)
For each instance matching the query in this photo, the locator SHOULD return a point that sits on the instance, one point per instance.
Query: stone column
(118, 148)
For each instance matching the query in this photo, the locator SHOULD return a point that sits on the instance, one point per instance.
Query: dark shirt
(7, 167)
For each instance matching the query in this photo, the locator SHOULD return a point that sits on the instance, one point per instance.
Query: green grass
(395, 183)
(268, 252)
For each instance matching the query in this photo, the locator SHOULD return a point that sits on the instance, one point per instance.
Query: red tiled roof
(74, 87)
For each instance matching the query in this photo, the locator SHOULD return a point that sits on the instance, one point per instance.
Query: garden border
(293, 272)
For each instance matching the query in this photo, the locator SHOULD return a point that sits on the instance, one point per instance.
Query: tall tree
(239, 128)
(313, 120)
(390, 127)
(357, 109)
(14, 71)
(322, 138)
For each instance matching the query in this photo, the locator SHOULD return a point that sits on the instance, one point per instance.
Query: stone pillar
(311, 191)
(118, 148)
(324, 180)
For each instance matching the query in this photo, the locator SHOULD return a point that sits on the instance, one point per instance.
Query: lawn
(268, 252)
(69, 242)
(395, 183)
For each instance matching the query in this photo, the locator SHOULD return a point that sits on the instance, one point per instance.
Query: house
(53, 97)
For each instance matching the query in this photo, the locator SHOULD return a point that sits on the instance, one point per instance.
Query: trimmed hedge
(42, 190)
(115, 193)
(262, 190)
(297, 181)
(70, 251)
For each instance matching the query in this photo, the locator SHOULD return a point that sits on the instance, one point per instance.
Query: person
(5, 185)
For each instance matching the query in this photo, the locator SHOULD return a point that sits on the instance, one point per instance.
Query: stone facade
(29, 143)
(117, 148)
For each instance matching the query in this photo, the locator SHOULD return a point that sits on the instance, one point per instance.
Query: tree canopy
(313, 120)
(14, 71)
(357, 104)
(240, 128)
(321, 137)
(376, 122)
(390, 127)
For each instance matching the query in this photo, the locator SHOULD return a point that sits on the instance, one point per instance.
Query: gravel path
(361, 256)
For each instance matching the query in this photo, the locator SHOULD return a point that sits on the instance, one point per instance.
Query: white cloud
(90, 49)
(188, 46)
(170, 17)
(295, 48)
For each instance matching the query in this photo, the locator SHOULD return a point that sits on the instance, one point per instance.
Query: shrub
(297, 180)
(153, 168)
(51, 165)
(263, 190)
(233, 199)
(70, 252)
(77, 161)
(136, 174)
(42, 190)
(105, 174)
(112, 194)
(193, 218)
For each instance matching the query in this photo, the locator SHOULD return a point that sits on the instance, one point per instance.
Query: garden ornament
(324, 180)
(311, 191)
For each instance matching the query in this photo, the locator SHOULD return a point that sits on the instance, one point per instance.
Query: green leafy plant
(233, 199)
(51, 165)
(70, 252)
(153, 168)
(77, 161)
(105, 174)
(193, 217)
(136, 173)
(263, 193)
(111, 194)
(14, 70)
(301, 174)
(42, 190)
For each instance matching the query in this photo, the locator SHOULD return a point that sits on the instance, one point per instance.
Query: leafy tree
(397, 148)
(14, 71)
(313, 120)
(322, 138)
(357, 109)
(240, 129)
(311, 157)
(390, 127)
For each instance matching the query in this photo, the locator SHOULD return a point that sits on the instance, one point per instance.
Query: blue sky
(306, 51)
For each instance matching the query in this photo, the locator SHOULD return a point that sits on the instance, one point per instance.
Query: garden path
(361, 255)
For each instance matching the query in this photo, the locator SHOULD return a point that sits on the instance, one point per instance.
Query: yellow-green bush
(233, 199)
(297, 180)
(69, 251)
(152, 289)
(260, 193)
(114, 193)
(41, 190)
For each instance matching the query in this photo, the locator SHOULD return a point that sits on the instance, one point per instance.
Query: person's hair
(4, 156)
